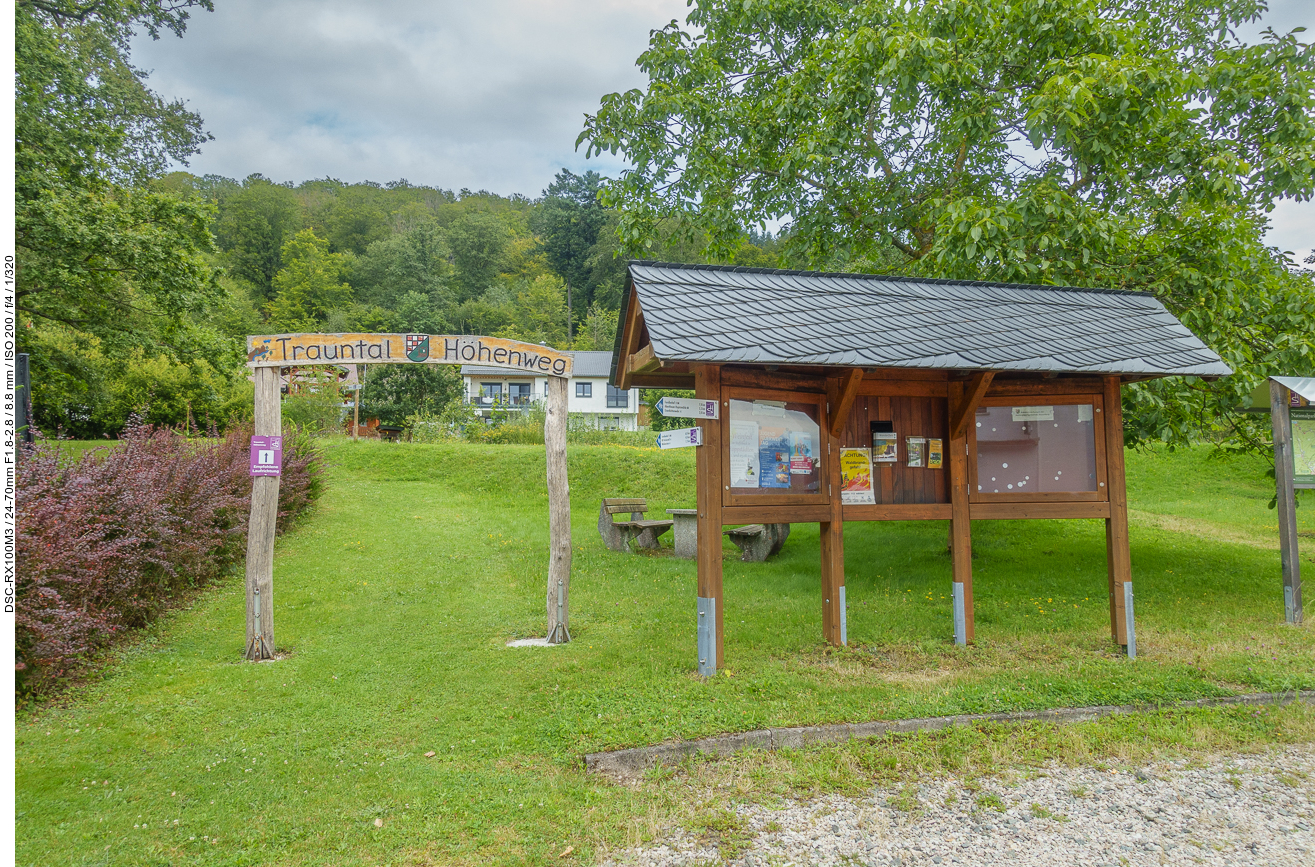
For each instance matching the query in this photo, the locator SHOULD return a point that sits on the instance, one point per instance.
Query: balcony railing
(501, 401)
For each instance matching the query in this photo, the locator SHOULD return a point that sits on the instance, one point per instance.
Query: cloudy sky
(485, 95)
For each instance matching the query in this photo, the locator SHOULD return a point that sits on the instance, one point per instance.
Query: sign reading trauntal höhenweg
(284, 350)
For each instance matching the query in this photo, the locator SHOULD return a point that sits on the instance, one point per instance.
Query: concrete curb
(623, 764)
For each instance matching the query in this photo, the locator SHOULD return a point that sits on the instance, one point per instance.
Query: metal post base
(707, 636)
(1129, 620)
(844, 631)
(960, 620)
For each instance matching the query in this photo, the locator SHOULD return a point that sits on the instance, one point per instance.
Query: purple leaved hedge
(107, 541)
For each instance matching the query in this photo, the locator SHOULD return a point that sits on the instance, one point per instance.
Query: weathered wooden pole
(559, 514)
(1118, 556)
(356, 409)
(832, 531)
(708, 481)
(961, 537)
(1281, 422)
(260, 528)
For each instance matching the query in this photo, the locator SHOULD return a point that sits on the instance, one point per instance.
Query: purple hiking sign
(266, 456)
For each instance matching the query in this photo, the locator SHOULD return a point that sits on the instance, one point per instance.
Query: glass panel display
(1036, 449)
(774, 447)
(1303, 445)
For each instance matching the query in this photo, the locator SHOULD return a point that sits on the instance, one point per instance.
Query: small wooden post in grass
(356, 408)
(260, 528)
(559, 513)
(1286, 494)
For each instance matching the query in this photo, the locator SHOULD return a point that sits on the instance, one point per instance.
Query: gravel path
(1231, 810)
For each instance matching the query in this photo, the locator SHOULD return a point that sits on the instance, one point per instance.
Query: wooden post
(1117, 556)
(961, 540)
(832, 532)
(559, 514)
(707, 462)
(260, 527)
(356, 409)
(1281, 422)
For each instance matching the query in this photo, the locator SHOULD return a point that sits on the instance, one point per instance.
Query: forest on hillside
(325, 255)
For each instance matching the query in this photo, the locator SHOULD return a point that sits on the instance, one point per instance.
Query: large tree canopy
(1121, 143)
(100, 250)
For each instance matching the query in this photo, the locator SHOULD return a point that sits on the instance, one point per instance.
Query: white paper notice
(1084, 412)
(744, 454)
(1033, 413)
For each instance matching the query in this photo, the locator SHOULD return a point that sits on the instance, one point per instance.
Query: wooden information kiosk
(848, 397)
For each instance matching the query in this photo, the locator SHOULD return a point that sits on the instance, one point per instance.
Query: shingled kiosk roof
(676, 314)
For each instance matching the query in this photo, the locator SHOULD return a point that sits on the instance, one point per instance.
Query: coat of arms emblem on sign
(417, 347)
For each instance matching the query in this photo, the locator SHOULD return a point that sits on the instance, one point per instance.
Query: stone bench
(618, 535)
(757, 542)
(685, 532)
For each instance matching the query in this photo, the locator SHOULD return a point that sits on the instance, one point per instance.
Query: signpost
(267, 354)
(1294, 441)
(687, 407)
(680, 439)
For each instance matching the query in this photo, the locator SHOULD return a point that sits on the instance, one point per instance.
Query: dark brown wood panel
(924, 416)
(737, 515)
(1013, 511)
(900, 512)
(1036, 387)
(740, 377)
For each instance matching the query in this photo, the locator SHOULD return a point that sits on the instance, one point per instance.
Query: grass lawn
(395, 600)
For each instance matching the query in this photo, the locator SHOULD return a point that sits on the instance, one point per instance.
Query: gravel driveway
(1229, 810)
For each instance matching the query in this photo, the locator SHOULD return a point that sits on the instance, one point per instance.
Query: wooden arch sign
(267, 353)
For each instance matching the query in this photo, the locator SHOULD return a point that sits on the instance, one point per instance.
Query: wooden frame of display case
(939, 405)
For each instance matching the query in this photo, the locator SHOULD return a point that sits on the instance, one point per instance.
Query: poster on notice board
(744, 454)
(774, 456)
(856, 477)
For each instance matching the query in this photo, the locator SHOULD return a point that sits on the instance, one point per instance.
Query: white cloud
(481, 95)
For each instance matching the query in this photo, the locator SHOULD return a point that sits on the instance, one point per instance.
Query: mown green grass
(394, 603)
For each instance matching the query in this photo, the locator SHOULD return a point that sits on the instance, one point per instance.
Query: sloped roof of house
(702, 313)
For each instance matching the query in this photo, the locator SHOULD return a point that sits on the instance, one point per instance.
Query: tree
(598, 333)
(99, 251)
(1131, 144)
(539, 313)
(392, 392)
(478, 242)
(410, 262)
(253, 225)
(310, 286)
(568, 221)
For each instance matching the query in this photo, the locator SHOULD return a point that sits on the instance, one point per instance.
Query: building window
(518, 393)
(617, 398)
(609, 422)
(490, 393)
(584, 389)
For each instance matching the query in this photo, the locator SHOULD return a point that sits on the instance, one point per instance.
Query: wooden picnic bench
(618, 535)
(757, 542)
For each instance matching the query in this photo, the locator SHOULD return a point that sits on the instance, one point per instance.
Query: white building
(494, 389)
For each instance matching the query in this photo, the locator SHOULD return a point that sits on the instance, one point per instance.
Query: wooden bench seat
(619, 535)
(757, 542)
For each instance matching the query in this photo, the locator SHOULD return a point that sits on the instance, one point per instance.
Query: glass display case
(1042, 451)
(774, 450)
